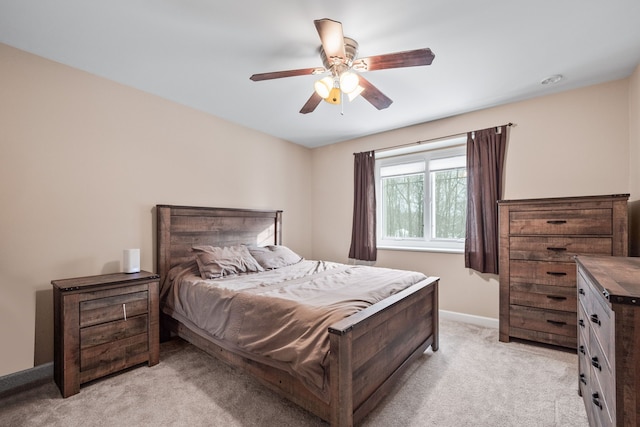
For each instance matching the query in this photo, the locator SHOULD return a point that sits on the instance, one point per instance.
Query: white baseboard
(27, 378)
(487, 322)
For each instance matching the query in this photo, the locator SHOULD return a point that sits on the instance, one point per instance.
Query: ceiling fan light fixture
(324, 86)
(349, 82)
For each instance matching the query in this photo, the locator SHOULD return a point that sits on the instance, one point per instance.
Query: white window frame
(446, 148)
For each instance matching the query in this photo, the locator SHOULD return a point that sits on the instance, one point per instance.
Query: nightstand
(104, 324)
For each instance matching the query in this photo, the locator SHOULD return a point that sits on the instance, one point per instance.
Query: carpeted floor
(473, 380)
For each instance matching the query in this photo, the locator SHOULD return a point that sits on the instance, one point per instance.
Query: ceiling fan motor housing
(350, 50)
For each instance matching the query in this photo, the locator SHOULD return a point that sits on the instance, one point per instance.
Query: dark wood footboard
(372, 348)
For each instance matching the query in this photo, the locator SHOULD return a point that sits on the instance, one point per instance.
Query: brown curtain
(363, 234)
(485, 164)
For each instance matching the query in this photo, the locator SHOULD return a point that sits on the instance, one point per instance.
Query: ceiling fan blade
(311, 103)
(409, 58)
(373, 94)
(289, 73)
(332, 38)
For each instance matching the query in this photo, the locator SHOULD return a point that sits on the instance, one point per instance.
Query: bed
(367, 351)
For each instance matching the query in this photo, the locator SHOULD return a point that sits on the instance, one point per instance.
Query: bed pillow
(274, 256)
(215, 262)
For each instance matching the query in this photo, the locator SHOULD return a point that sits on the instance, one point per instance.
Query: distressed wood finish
(539, 239)
(92, 337)
(368, 350)
(609, 339)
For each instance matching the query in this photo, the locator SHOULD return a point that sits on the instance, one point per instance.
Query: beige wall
(569, 144)
(84, 160)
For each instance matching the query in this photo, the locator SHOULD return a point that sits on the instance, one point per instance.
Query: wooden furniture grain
(538, 241)
(609, 339)
(369, 350)
(103, 324)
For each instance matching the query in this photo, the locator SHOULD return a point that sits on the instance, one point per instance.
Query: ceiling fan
(339, 57)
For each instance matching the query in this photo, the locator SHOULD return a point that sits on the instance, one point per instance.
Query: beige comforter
(280, 317)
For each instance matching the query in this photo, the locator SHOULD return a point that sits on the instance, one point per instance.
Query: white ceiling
(201, 53)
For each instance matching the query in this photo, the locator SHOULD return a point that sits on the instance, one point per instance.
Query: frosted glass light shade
(323, 86)
(349, 81)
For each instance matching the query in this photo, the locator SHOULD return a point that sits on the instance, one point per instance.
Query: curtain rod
(429, 140)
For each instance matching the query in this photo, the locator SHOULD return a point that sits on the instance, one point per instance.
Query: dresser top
(567, 199)
(618, 276)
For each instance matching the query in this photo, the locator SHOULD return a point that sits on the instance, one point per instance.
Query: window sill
(422, 249)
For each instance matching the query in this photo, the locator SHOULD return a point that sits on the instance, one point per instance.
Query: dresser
(609, 339)
(103, 324)
(539, 239)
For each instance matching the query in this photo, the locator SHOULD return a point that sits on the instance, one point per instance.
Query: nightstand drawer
(113, 355)
(117, 307)
(112, 331)
(559, 222)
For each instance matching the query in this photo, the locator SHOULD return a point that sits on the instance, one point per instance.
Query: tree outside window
(423, 199)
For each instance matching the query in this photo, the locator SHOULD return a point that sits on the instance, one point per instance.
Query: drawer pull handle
(581, 323)
(596, 363)
(557, 221)
(594, 318)
(556, 322)
(124, 311)
(556, 249)
(556, 297)
(583, 379)
(595, 398)
(556, 273)
(581, 291)
(581, 349)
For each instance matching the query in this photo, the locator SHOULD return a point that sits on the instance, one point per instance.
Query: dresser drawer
(583, 326)
(561, 249)
(546, 321)
(602, 333)
(602, 368)
(543, 273)
(560, 298)
(599, 318)
(584, 366)
(561, 222)
(102, 310)
(598, 400)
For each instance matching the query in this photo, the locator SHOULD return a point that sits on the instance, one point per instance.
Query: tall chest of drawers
(539, 239)
(609, 339)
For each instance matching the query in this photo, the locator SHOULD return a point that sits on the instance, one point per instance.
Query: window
(422, 196)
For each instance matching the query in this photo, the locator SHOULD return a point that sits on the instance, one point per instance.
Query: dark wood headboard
(181, 227)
